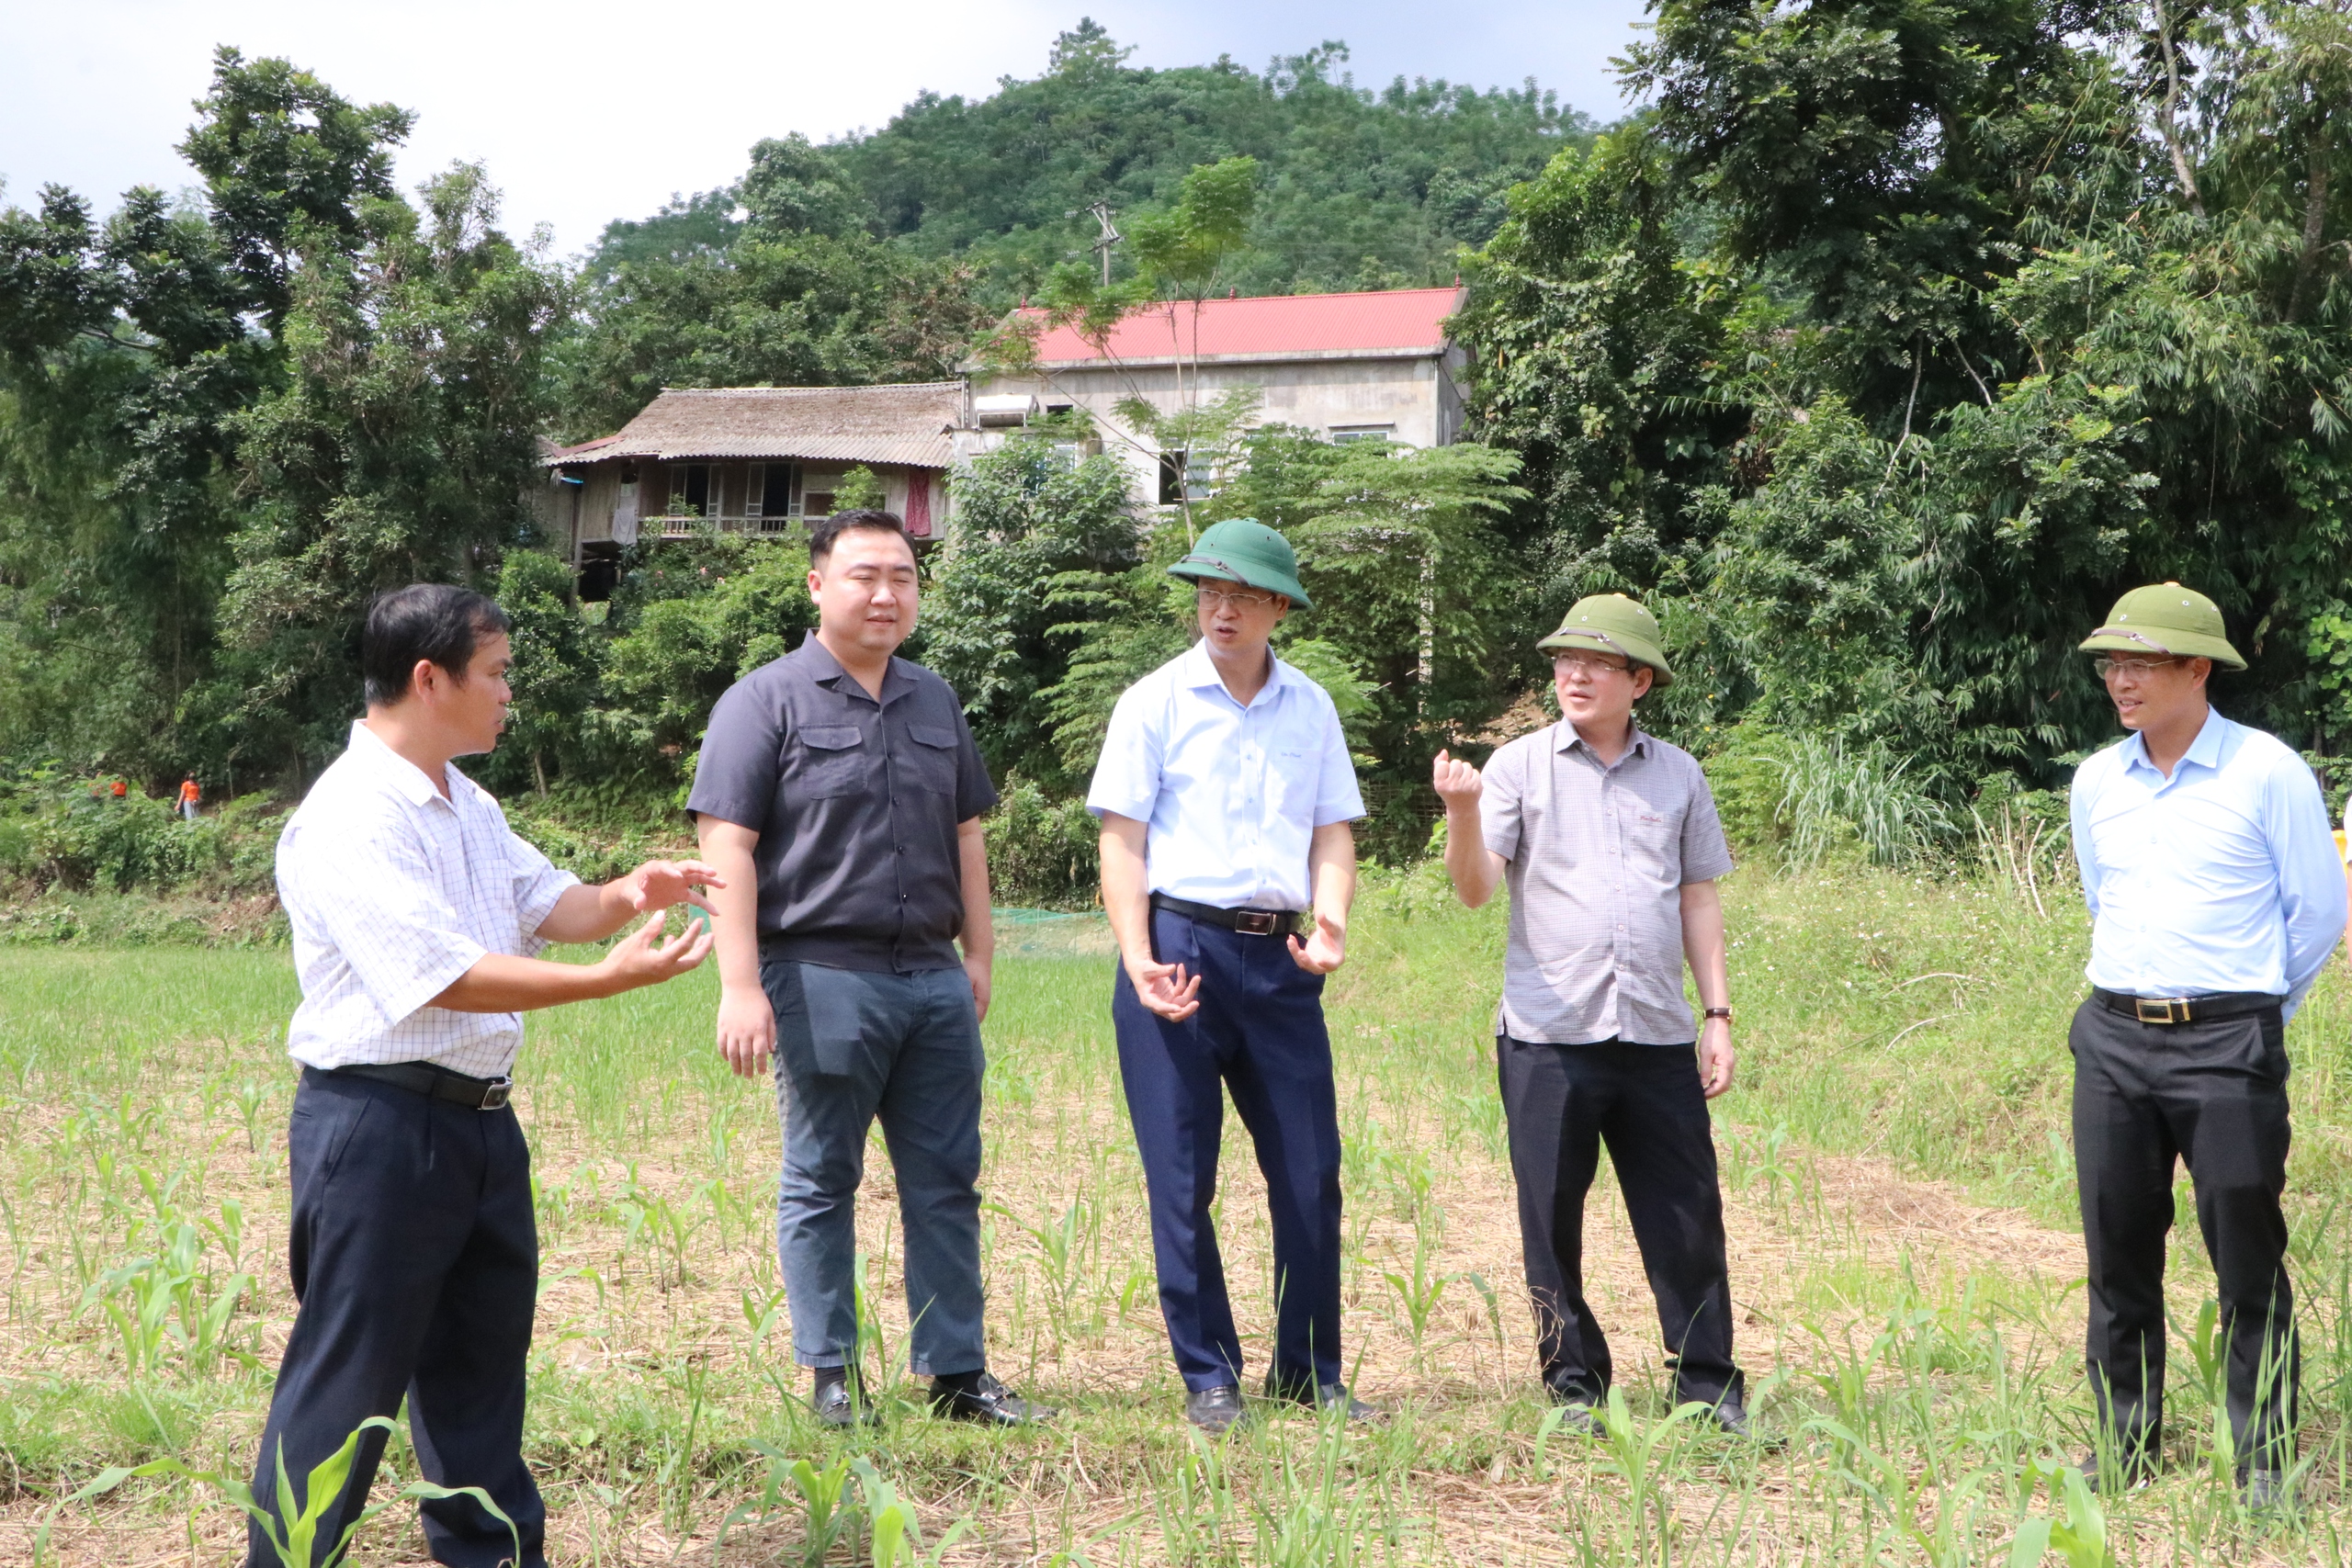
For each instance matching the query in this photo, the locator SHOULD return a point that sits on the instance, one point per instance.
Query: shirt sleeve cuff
(545, 894)
(431, 976)
(1125, 806)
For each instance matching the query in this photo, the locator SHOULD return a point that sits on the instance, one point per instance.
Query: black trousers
(1562, 1102)
(415, 1257)
(2214, 1094)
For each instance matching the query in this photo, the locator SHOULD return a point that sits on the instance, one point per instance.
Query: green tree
(398, 449)
(127, 353)
(1037, 552)
(1598, 352)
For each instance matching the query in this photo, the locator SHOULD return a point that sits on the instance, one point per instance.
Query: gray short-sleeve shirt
(1599, 857)
(856, 804)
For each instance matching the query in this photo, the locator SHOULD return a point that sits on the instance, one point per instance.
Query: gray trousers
(850, 1046)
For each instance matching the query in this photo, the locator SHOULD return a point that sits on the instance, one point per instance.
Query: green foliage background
(1879, 353)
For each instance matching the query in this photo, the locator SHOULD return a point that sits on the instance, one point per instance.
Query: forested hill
(1361, 190)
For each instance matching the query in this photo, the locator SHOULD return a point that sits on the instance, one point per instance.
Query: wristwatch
(1724, 1013)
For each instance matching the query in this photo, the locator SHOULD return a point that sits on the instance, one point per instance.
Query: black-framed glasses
(1215, 598)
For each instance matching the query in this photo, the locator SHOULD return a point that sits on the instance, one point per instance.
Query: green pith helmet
(2166, 618)
(1242, 549)
(1614, 624)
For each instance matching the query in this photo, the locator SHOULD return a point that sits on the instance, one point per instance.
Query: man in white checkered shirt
(416, 914)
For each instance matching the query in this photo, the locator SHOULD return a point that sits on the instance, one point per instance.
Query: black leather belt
(1249, 922)
(2183, 1010)
(436, 1083)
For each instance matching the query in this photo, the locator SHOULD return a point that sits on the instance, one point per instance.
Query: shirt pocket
(1653, 843)
(930, 760)
(830, 761)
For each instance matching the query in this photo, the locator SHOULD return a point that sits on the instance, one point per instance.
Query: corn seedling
(831, 1515)
(892, 1532)
(2080, 1537)
(293, 1535)
(1420, 1291)
(1633, 1453)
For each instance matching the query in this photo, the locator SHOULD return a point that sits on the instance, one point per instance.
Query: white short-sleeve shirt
(1232, 795)
(393, 892)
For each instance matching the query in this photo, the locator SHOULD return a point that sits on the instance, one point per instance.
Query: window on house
(776, 489)
(1171, 477)
(690, 489)
(1343, 434)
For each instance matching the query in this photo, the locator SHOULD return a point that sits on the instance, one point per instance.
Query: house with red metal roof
(1345, 367)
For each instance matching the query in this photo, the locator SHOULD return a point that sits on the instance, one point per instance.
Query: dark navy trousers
(415, 1257)
(1259, 1033)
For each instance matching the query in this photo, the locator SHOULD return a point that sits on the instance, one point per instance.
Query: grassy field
(1895, 1166)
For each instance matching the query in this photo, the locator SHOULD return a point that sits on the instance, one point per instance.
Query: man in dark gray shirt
(1610, 845)
(840, 795)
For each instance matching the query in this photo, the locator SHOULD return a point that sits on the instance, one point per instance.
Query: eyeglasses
(1591, 663)
(1217, 598)
(2130, 668)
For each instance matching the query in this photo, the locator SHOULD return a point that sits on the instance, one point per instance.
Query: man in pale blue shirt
(2216, 897)
(1225, 792)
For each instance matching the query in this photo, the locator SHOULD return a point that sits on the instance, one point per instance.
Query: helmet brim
(1632, 649)
(2182, 645)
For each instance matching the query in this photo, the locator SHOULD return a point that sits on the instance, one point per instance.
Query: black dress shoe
(2134, 1468)
(1577, 1418)
(1731, 1418)
(2267, 1492)
(1214, 1410)
(837, 1400)
(977, 1396)
(1325, 1396)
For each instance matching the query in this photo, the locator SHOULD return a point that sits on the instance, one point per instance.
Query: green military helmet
(1242, 549)
(2166, 618)
(1617, 625)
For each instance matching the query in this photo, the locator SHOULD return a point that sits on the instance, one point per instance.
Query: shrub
(70, 832)
(1806, 800)
(1043, 852)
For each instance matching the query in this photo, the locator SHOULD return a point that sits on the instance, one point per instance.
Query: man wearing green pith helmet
(1609, 841)
(2216, 898)
(1225, 794)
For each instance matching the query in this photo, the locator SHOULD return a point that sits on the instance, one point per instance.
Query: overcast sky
(594, 110)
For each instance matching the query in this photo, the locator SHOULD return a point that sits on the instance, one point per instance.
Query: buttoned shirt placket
(855, 691)
(1621, 912)
(1254, 775)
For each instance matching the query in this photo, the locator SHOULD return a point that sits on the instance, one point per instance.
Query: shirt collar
(1200, 671)
(2205, 750)
(826, 670)
(1565, 739)
(395, 770)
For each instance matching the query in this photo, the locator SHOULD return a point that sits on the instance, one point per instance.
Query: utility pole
(1111, 236)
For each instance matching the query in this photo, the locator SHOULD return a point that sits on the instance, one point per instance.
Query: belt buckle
(2163, 1006)
(495, 1094)
(1255, 922)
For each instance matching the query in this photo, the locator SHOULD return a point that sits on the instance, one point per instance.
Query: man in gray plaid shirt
(416, 914)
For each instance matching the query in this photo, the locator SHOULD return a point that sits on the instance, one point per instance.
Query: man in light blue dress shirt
(2216, 897)
(1225, 792)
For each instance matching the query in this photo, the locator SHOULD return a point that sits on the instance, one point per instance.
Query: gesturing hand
(1325, 951)
(645, 957)
(1456, 783)
(658, 884)
(1163, 988)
